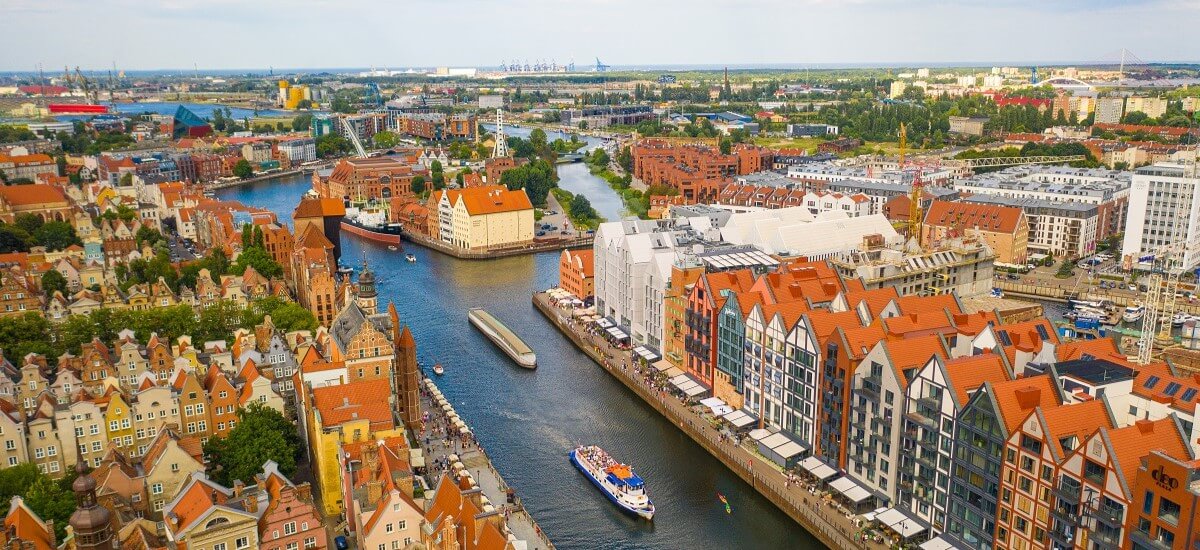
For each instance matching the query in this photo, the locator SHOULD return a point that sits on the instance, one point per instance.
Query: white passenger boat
(1133, 314)
(617, 481)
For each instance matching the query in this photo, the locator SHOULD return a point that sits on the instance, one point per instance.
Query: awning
(694, 390)
(900, 522)
(646, 353)
(849, 489)
(774, 440)
(938, 543)
(662, 365)
(721, 410)
(712, 402)
(604, 322)
(818, 469)
(617, 333)
(869, 516)
(789, 449)
(672, 372)
(759, 434)
(739, 419)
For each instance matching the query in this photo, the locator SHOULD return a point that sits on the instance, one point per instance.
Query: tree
(726, 146)
(302, 121)
(242, 169)
(56, 236)
(29, 222)
(537, 138)
(261, 434)
(536, 178)
(418, 185)
(625, 159)
(330, 145)
(52, 500)
(16, 480)
(599, 157)
(581, 209)
(458, 178)
(261, 261)
(386, 139)
(126, 179)
(583, 125)
(54, 281)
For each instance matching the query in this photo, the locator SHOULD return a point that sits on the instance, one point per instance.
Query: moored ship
(503, 337)
(371, 224)
(617, 481)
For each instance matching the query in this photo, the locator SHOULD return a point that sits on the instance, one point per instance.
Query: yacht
(1133, 314)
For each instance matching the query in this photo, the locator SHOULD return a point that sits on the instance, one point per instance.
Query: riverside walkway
(805, 505)
(442, 442)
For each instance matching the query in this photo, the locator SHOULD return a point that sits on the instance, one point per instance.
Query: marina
(503, 337)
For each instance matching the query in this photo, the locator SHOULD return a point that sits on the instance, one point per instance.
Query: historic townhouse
(378, 484)
(12, 435)
(81, 428)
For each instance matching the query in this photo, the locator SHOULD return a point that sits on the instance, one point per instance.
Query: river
(528, 420)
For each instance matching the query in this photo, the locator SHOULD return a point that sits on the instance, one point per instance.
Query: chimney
(252, 504)
(238, 488)
(830, 288)
(371, 459)
(374, 492)
(1145, 426)
(304, 492)
(1028, 397)
(960, 318)
(50, 533)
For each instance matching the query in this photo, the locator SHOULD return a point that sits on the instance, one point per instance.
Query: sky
(256, 34)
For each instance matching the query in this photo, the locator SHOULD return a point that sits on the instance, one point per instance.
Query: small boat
(392, 248)
(1133, 314)
(438, 370)
(411, 259)
(1180, 318)
(617, 481)
(1076, 303)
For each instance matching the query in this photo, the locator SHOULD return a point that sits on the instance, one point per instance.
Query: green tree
(29, 222)
(625, 159)
(56, 236)
(16, 480)
(536, 178)
(126, 179)
(537, 138)
(330, 145)
(726, 146)
(418, 185)
(243, 169)
(287, 316)
(581, 209)
(261, 434)
(304, 104)
(386, 139)
(259, 258)
(53, 280)
(53, 500)
(458, 178)
(302, 122)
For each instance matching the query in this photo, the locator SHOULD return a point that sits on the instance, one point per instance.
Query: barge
(505, 339)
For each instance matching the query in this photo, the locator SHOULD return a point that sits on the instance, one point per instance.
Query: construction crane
(914, 197)
(600, 66)
(89, 94)
(1165, 269)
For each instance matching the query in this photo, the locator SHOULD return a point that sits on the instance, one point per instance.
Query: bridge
(988, 162)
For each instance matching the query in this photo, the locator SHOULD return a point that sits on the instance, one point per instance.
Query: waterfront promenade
(443, 443)
(806, 506)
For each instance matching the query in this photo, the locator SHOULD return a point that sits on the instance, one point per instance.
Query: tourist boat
(1133, 314)
(505, 339)
(371, 225)
(438, 370)
(617, 481)
(411, 259)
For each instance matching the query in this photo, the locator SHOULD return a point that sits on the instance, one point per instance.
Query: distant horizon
(584, 68)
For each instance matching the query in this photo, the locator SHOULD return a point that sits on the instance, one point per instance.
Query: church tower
(367, 298)
(91, 524)
(408, 379)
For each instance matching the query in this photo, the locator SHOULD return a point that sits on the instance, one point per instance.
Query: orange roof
(26, 195)
(1131, 443)
(876, 299)
(967, 374)
(910, 354)
(28, 526)
(582, 259)
(310, 207)
(966, 215)
(313, 238)
(196, 500)
(1015, 399)
(356, 400)
(449, 504)
(1162, 378)
(917, 304)
(1075, 420)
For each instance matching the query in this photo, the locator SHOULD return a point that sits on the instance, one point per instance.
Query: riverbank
(825, 523)
(493, 253)
(451, 447)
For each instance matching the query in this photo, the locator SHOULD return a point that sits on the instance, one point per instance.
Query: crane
(1166, 267)
(914, 197)
(88, 93)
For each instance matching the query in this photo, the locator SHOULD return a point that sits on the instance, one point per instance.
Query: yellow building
(483, 218)
(119, 419)
(346, 413)
(290, 96)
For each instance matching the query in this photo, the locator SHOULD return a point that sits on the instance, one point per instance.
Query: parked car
(1013, 277)
(540, 234)
(341, 543)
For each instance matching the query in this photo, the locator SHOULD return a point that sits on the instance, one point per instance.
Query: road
(559, 220)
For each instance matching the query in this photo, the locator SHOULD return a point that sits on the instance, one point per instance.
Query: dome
(91, 519)
(83, 484)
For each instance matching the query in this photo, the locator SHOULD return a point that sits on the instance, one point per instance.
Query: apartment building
(1163, 210)
(1005, 229)
(484, 218)
(1060, 229)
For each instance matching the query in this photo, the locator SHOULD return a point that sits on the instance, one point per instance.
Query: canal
(528, 420)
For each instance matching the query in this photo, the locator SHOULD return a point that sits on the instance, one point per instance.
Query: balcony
(1067, 490)
(1064, 536)
(921, 419)
(1065, 514)
(1108, 539)
(1109, 516)
(1143, 539)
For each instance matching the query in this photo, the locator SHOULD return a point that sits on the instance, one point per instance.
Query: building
(967, 126)
(490, 217)
(1153, 107)
(962, 266)
(1165, 511)
(16, 167)
(205, 514)
(1005, 229)
(811, 130)
(459, 517)
(188, 124)
(45, 201)
(379, 484)
(576, 273)
(1063, 229)
(359, 180)
(603, 116)
(91, 523)
(1109, 110)
(298, 150)
(1164, 209)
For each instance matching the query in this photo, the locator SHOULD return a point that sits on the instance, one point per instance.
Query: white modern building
(1163, 210)
(299, 150)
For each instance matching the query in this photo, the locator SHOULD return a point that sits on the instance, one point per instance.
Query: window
(403, 525)
(387, 528)
(156, 489)
(219, 546)
(241, 543)
(310, 543)
(1168, 511)
(1171, 389)
(289, 528)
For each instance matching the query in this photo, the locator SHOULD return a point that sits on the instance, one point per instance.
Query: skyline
(299, 35)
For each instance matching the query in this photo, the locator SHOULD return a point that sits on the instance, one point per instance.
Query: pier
(825, 523)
